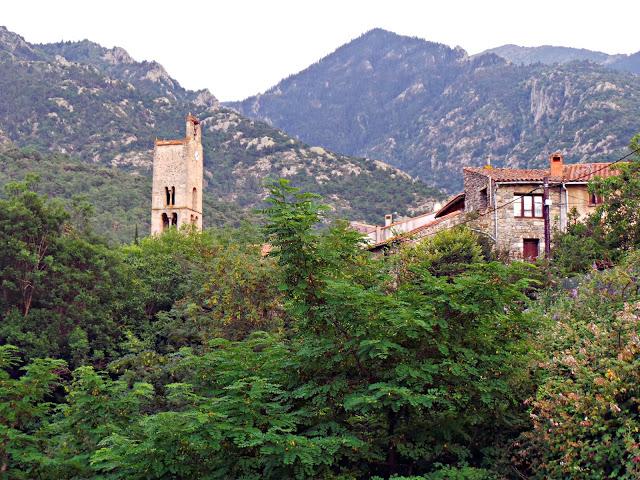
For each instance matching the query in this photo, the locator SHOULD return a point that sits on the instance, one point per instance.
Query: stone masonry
(176, 197)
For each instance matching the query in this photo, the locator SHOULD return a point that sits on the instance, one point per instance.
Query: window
(194, 199)
(165, 221)
(174, 219)
(484, 199)
(528, 206)
(170, 196)
(595, 199)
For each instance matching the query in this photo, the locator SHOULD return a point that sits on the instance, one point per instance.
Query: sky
(237, 48)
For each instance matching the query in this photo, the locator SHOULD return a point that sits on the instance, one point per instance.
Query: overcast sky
(236, 48)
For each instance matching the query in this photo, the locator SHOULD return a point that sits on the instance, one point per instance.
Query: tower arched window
(165, 221)
(194, 198)
(173, 195)
(167, 194)
(174, 219)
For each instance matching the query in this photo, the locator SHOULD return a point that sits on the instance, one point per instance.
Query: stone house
(505, 204)
(508, 202)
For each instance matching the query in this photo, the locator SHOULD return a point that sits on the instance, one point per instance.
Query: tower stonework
(176, 196)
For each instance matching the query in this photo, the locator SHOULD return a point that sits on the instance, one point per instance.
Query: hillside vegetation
(190, 355)
(119, 200)
(105, 109)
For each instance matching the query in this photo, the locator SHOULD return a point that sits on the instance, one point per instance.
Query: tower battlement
(176, 196)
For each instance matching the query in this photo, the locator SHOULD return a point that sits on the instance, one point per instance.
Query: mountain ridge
(551, 54)
(431, 109)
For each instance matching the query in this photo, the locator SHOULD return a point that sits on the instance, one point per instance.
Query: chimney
(556, 164)
(388, 219)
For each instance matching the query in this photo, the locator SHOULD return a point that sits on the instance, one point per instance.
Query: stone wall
(507, 230)
(475, 184)
(512, 230)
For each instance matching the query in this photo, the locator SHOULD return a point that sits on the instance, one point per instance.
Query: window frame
(533, 196)
(595, 199)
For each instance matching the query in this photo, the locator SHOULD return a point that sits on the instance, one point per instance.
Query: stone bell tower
(176, 196)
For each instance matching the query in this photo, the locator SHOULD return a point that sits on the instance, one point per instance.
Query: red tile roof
(579, 172)
(583, 172)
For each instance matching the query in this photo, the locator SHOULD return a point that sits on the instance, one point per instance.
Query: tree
(24, 406)
(29, 226)
(59, 281)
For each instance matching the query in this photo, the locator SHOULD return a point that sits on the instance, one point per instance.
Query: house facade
(506, 205)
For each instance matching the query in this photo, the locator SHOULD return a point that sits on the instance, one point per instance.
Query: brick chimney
(388, 219)
(556, 163)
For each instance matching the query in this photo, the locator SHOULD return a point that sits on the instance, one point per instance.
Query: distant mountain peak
(551, 54)
(380, 34)
(16, 45)
(379, 31)
(117, 56)
(431, 109)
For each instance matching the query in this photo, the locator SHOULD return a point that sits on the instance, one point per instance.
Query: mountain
(431, 109)
(550, 55)
(103, 108)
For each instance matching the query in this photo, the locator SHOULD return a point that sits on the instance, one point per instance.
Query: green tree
(58, 280)
(24, 405)
(29, 227)
(95, 407)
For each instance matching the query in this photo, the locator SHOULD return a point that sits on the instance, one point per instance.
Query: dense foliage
(193, 355)
(585, 413)
(190, 355)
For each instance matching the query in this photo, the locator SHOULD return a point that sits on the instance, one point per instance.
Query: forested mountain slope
(431, 109)
(104, 108)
